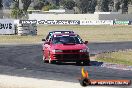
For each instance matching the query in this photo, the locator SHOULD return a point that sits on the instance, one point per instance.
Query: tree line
(79, 6)
(88, 6)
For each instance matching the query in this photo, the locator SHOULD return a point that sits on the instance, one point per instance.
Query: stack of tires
(27, 29)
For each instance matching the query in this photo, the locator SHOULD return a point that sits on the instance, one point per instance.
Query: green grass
(90, 33)
(121, 57)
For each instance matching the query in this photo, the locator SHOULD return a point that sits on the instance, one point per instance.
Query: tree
(124, 6)
(26, 4)
(104, 5)
(83, 5)
(111, 5)
(87, 6)
(130, 2)
(1, 12)
(92, 6)
(50, 6)
(7, 3)
(57, 2)
(41, 4)
(69, 4)
(53, 6)
(117, 6)
(1, 4)
(16, 12)
(38, 6)
(20, 13)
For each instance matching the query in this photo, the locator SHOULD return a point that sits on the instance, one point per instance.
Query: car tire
(44, 58)
(51, 61)
(45, 61)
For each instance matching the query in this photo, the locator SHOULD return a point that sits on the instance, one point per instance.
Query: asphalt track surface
(26, 61)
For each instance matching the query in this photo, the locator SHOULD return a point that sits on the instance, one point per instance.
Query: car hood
(69, 47)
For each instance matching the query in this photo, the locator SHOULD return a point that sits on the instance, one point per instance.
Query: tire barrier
(27, 29)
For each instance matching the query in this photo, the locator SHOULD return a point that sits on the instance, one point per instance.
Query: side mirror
(43, 40)
(86, 42)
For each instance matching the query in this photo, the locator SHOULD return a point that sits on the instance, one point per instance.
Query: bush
(46, 8)
(16, 13)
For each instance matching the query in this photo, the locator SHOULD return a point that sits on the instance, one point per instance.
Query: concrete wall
(63, 16)
(80, 17)
(121, 17)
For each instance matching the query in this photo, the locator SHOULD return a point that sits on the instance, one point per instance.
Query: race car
(48, 37)
(66, 47)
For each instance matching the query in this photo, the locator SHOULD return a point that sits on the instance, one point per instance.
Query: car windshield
(51, 33)
(67, 40)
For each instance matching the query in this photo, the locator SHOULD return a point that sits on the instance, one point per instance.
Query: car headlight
(85, 50)
(57, 51)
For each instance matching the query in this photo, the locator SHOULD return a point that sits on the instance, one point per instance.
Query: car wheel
(51, 61)
(45, 61)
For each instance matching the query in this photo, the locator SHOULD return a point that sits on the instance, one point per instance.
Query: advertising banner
(121, 23)
(51, 22)
(59, 22)
(96, 22)
(28, 21)
(7, 26)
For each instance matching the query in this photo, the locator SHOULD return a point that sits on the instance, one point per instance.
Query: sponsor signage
(7, 26)
(51, 22)
(121, 22)
(68, 22)
(96, 22)
(28, 21)
(59, 22)
(84, 80)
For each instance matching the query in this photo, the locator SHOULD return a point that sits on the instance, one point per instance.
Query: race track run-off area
(26, 61)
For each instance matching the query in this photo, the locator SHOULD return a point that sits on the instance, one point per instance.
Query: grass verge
(121, 57)
(90, 33)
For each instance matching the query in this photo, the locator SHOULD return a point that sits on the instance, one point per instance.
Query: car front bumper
(70, 57)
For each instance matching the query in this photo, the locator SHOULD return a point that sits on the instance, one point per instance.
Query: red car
(66, 47)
